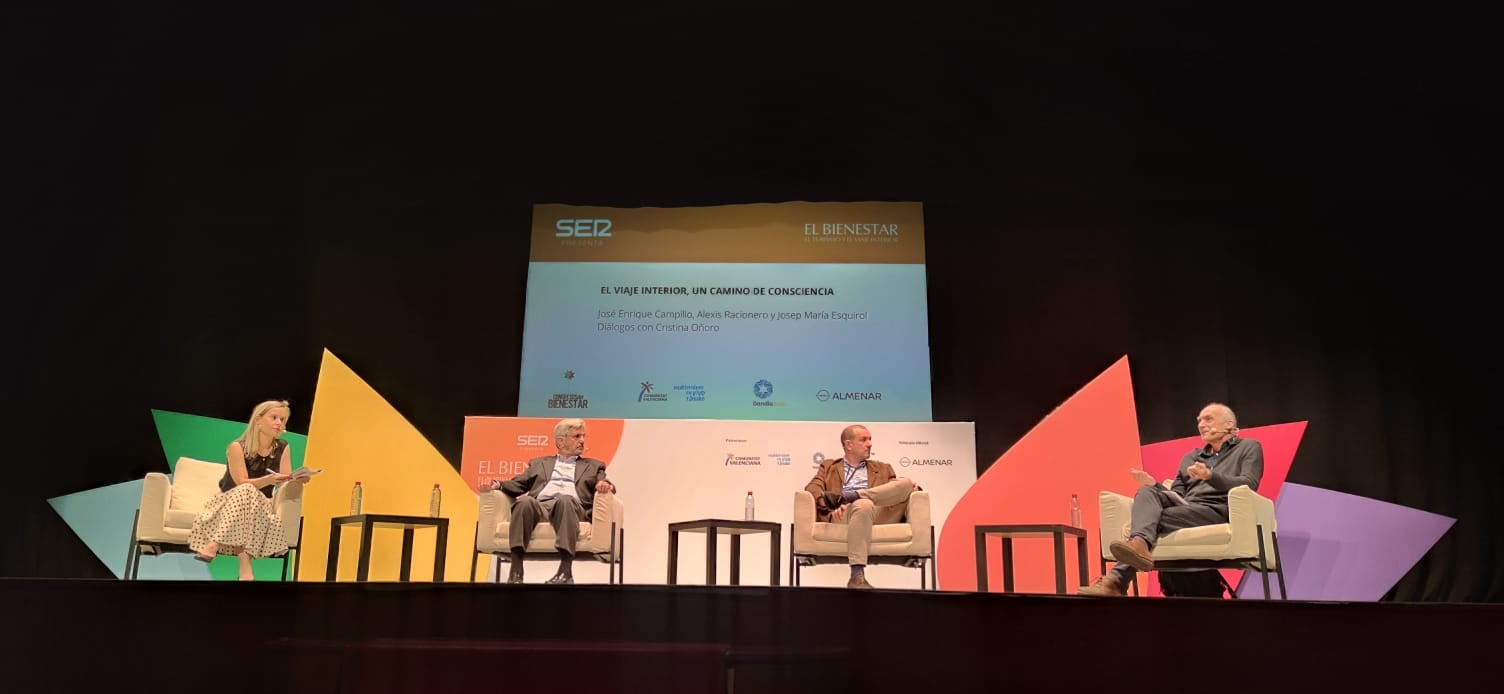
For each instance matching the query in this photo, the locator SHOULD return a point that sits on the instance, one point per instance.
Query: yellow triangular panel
(354, 435)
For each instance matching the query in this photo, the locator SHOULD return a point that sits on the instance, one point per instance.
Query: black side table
(370, 521)
(715, 527)
(1011, 532)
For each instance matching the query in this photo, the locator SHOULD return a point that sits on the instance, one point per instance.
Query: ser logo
(532, 440)
(583, 228)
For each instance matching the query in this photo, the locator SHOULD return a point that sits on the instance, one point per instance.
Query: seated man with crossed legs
(859, 492)
(1197, 497)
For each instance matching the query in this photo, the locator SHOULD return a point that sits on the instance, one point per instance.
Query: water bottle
(355, 499)
(1075, 511)
(751, 513)
(433, 501)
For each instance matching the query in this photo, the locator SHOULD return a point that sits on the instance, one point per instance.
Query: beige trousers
(859, 514)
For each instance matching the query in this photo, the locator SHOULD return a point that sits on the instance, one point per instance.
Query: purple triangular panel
(1343, 547)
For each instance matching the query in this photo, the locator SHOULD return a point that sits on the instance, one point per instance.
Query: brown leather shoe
(859, 581)
(1106, 586)
(1134, 552)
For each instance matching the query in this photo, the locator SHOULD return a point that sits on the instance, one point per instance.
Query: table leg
(673, 557)
(441, 550)
(1007, 565)
(775, 550)
(981, 543)
(1081, 561)
(405, 571)
(736, 560)
(1059, 563)
(331, 568)
(712, 539)
(363, 567)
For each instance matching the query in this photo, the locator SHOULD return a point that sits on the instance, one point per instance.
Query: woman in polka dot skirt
(239, 520)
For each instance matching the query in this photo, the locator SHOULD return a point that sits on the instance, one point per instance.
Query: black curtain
(1286, 214)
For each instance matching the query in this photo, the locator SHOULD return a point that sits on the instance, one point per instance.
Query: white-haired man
(1197, 497)
(561, 488)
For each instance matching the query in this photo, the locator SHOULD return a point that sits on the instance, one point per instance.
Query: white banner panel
(680, 470)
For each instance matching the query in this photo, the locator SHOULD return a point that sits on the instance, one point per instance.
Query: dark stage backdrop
(1273, 212)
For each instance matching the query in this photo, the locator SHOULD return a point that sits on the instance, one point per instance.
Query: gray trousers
(1155, 514)
(562, 512)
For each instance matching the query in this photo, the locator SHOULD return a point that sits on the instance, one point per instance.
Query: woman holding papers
(239, 520)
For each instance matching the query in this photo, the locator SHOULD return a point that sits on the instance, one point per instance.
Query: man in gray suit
(1197, 497)
(559, 487)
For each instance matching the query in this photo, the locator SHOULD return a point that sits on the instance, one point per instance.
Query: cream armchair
(602, 536)
(1249, 539)
(168, 506)
(910, 544)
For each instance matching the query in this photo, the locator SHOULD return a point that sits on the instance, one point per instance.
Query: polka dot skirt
(241, 517)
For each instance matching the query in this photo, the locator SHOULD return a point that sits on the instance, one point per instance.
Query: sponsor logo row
(762, 395)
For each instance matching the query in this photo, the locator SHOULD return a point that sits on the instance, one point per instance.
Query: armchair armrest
(804, 512)
(606, 509)
(919, 521)
(495, 508)
(156, 494)
(287, 504)
(803, 536)
(1116, 514)
(1246, 511)
(618, 510)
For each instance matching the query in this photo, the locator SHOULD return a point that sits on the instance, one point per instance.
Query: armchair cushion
(891, 532)
(179, 519)
(194, 482)
(910, 538)
(1218, 535)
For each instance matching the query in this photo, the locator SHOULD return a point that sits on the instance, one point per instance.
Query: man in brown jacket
(859, 492)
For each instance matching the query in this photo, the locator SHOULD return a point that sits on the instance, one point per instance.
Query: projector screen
(786, 311)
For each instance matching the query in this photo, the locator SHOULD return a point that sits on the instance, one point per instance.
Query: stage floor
(226, 637)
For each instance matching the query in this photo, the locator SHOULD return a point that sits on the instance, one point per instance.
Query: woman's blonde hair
(250, 441)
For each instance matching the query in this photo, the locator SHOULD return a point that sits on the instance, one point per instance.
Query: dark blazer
(828, 481)
(1240, 462)
(587, 473)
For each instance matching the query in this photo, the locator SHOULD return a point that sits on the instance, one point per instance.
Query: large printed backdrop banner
(677, 470)
(689, 313)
